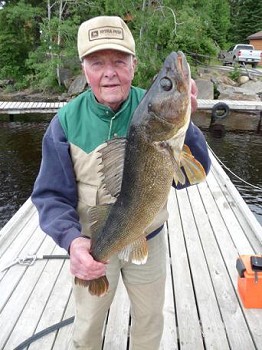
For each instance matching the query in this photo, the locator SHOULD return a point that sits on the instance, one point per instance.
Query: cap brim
(107, 47)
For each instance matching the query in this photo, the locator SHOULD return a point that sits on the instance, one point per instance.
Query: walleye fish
(154, 156)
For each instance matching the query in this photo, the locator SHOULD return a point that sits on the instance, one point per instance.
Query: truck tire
(220, 111)
(254, 64)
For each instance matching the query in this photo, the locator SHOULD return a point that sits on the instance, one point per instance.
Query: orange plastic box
(249, 282)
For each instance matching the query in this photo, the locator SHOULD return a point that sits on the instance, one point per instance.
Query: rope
(231, 172)
(44, 332)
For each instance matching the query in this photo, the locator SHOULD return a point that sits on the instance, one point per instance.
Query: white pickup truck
(242, 53)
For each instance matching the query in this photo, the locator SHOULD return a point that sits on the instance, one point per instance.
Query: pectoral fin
(192, 167)
(179, 176)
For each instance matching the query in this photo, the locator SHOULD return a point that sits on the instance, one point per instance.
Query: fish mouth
(177, 61)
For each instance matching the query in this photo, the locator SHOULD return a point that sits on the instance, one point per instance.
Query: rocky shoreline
(212, 83)
(248, 86)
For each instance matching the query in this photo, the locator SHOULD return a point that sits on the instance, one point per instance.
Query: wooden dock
(209, 227)
(29, 107)
(14, 108)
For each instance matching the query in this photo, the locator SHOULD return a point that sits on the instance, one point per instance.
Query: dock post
(259, 124)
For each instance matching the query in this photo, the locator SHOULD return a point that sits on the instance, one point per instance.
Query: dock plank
(190, 335)
(12, 280)
(15, 225)
(170, 334)
(117, 333)
(55, 306)
(36, 301)
(17, 301)
(206, 301)
(14, 251)
(227, 300)
(64, 335)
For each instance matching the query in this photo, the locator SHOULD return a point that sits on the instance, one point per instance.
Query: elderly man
(69, 184)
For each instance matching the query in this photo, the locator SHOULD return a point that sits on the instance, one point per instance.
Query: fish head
(166, 107)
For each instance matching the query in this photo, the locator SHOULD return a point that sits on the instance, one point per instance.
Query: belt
(154, 233)
(149, 236)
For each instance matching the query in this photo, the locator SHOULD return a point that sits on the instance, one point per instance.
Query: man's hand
(194, 92)
(82, 264)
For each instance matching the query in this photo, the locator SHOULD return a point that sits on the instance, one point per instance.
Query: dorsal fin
(112, 160)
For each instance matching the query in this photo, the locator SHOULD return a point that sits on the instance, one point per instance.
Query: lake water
(20, 155)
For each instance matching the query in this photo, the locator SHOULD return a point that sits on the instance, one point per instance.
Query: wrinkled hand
(82, 264)
(194, 92)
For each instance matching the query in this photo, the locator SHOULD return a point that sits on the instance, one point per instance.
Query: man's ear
(134, 63)
(84, 72)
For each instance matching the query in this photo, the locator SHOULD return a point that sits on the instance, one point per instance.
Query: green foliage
(39, 37)
(220, 16)
(235, 73)
(246, 19)
(19, 35)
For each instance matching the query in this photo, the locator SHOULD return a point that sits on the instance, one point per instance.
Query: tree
(19, 34)
(246, 20)
(220, 17)
(57, 41)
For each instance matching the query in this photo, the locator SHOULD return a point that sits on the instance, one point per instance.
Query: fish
(154, 156)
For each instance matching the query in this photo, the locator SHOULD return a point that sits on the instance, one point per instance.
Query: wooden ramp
(209, 226)
(14, 108)
(7, 107)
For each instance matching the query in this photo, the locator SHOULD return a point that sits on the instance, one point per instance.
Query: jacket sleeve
(55, 191)
(196, 142)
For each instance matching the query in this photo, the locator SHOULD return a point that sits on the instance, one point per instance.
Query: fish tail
(80, 282)
(98, 286)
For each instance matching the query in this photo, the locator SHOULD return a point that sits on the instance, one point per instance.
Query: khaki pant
(145, 285)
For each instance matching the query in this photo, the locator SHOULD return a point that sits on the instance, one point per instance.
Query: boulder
(242, 79)
(205, 89)
(65, 76)
(78, 85)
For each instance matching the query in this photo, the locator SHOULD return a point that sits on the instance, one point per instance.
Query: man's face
(109, 73)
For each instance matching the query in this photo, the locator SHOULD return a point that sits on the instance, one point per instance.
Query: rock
(253, 87)
(64, 97)
(65, 76)
(205, 89)
(68, 82)
(243, 79)
(6, 82)
(223, 79)
(237, 94)
(77, 86)
(227, 92)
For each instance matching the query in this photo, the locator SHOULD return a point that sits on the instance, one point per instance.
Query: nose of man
(109, 71)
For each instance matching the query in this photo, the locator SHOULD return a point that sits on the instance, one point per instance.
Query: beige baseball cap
(104, 32)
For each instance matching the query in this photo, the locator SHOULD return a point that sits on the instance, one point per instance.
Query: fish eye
(166, 84)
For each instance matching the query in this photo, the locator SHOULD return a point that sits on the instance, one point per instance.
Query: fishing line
(231, 172)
